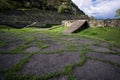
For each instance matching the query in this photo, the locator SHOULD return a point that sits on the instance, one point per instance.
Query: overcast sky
(100, 9)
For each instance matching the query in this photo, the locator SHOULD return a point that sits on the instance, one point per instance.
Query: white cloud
(99, 8)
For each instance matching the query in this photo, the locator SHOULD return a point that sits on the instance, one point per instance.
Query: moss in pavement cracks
(70, 46)
(28, 77)
(68, 69)
(16, 67)
(29, 39)
(105, 61)
(41, 45)
(20, 48)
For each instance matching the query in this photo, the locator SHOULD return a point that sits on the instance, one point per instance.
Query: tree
(117, 14)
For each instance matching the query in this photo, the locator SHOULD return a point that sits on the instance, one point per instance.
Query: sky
(100, 9)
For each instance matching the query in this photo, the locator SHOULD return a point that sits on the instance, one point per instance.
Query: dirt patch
(41, 64)
(100, 49)
(108, 57)
(32, 49)
(60, 78)
(94, 70)
(7, 60)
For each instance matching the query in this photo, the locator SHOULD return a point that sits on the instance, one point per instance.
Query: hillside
(61, 6)
(25, 12)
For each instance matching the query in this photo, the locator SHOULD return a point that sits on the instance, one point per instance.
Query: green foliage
(117, 13)
(61, 6)
(65, 7)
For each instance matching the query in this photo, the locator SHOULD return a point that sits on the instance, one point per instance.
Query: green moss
(10, 75)
(70, 46)
(42, 45)
(19, 49)
(105, 61)
(71, 77)
(68, 69)
(2, 44)
(29, 39)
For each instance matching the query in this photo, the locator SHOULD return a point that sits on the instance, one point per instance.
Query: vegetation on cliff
(61, 6)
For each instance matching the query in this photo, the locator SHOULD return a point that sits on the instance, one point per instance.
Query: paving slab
(100, 49)
(54, 47)
(116, 49)
(11, 46)
(94, 70)
(32, 49)
(7, 60)
(41, 64)
(108, 57)
(104, 44)
(84, 41)
(60, 78)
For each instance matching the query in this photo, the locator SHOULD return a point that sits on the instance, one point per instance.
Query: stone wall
(96, 23)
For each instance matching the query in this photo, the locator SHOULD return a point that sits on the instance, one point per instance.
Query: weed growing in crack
(105, 61)
(10, 75)
(42, 45)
